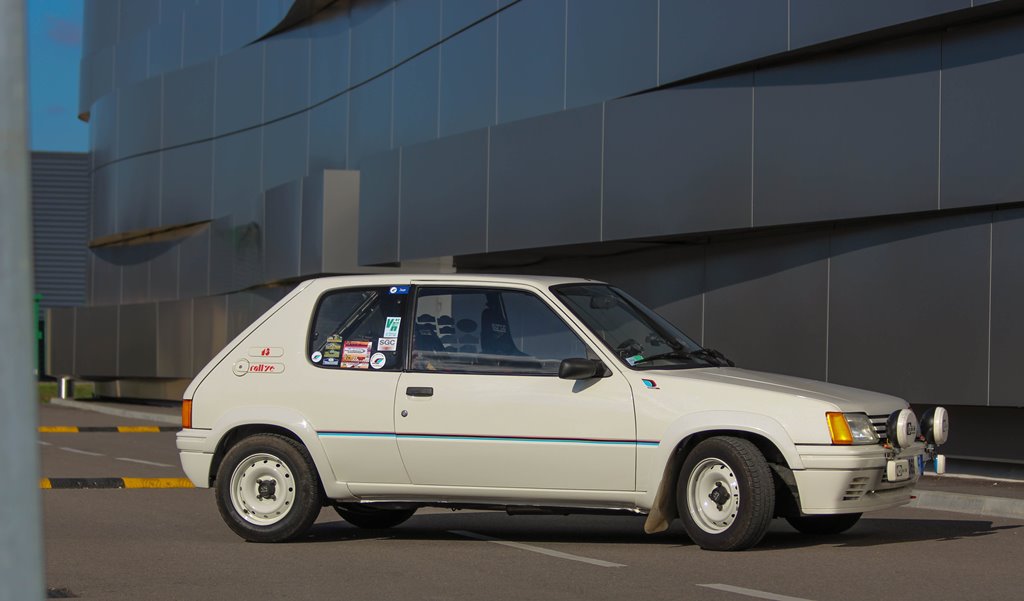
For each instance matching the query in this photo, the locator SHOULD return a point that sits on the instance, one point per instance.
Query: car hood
(843, 397)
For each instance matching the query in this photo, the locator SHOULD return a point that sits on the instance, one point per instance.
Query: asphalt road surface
(172, 544)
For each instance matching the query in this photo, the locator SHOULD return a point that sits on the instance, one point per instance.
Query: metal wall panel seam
(988, 362)
(565, 59)
(657, 45)
(600, 223)
(487, 195)
(938, 186)
(398, 219)
(753, 88)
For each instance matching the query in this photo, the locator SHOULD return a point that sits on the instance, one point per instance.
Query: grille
(856, 489)
(878, 421)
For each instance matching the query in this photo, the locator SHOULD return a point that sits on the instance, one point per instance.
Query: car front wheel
(267, 489)
(725, 494)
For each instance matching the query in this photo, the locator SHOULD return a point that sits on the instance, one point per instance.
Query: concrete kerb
(999, 507)
(162, 418)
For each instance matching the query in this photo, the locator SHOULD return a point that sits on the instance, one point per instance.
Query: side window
(482, 330)
(358, 329)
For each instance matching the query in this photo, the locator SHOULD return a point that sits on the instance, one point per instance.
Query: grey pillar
(21, 554)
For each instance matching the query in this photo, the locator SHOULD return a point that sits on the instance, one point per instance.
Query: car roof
(391, 279)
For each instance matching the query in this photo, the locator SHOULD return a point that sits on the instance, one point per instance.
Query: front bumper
(196, 456)
(852, 479)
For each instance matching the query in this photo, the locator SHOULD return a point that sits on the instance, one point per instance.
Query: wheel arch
(765, 433)
(235, 426)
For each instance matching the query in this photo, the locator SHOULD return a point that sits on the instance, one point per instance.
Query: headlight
(850, 428)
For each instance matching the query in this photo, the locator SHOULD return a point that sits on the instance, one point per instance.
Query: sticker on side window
(356, 354)
(398, 290)
(387, 344)
(391, 327)
(378, 361)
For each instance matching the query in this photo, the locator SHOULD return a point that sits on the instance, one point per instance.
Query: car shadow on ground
(869, 532)
(874, 532)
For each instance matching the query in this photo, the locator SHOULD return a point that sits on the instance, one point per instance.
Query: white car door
(481, 404)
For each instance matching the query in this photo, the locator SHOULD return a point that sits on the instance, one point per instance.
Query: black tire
(291, 482)
(373, 518)
(739, 507)
(824, 525)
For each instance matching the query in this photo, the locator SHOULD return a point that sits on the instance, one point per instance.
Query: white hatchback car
(382, 394)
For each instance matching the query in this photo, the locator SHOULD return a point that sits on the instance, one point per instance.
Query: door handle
(419, 391)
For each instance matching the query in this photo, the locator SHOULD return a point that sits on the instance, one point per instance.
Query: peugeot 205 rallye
(379, 395)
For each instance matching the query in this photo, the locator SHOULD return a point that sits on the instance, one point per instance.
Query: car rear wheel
(725, 494)
(267, 489)
(823, 525)
(376, 518)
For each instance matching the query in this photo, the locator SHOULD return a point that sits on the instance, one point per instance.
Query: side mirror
(580, 369)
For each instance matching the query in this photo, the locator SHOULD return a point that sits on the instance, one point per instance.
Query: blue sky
(54, 53)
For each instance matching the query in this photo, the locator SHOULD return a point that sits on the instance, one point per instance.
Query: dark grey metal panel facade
(531, 70)
(610, 52)
(691, 32)
(982, 124)
(848, 136)
(61, 189)
(814, 21)
(425, 99)
(908, 309)
(1007, 326)
(451, 172)
(548, 165)
(751, 310)
(682, 155)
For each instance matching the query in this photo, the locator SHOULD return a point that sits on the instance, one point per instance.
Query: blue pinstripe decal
(642, 443)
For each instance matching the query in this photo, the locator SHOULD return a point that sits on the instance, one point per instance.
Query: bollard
(67, 388)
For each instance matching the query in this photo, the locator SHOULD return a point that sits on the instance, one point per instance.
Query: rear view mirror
(580, 369)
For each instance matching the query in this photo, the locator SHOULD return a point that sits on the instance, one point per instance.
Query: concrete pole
(21, 551)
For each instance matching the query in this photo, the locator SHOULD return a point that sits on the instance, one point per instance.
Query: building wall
(823, 188)
(60, 226)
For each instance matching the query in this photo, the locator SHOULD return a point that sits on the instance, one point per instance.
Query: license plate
(897, 470)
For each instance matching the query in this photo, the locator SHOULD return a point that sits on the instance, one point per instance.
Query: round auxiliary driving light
(901, 428)
(935, 425)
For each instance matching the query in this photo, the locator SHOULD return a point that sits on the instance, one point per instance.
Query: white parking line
(541, 550)
(749, 592)
(143, 462)
(81, 452)
(45, 444)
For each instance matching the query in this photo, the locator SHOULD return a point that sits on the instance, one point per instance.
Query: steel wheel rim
(262, 489)
(707, 476)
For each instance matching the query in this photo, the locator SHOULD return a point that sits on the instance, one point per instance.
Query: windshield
(641, 338)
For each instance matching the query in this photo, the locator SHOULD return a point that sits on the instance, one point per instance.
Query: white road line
(749, 592)
(45, 444)
(143, 462)
(541, 550)
(81, 452)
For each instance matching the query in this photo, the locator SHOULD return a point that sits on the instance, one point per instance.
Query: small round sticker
(378, 360)
(393, 289)
(316, 357)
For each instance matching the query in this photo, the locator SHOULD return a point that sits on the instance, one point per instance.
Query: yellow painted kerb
(57, 429)
(134, 429)
(157, 483)
(44, 483)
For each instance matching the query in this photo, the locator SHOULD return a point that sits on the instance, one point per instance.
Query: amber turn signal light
(186, 413)
(838, 428)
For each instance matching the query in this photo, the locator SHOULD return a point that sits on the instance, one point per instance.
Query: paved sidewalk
(155, 413)
(961, 494)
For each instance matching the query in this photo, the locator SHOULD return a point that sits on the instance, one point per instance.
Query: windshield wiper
(677, 353)
(710, 353)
